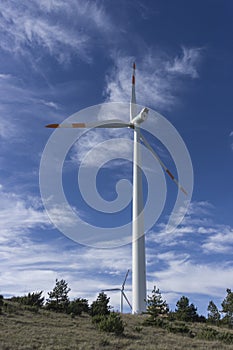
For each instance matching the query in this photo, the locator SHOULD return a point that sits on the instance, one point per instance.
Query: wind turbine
(123, 295)
(138, 234)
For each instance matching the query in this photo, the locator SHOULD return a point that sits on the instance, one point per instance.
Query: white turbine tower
(122, 290)
(138, 234)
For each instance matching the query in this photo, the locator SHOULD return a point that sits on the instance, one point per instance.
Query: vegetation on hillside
(184, 321)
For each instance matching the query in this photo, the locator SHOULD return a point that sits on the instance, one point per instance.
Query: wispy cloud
(17, 101)
(105, 151)
(199, 228)
(187, 63)
(5, 76)
(93, 12)
(157, 78)
(220, 240)
(36, 24)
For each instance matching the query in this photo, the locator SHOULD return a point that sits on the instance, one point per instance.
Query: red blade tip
(134, 65)
(52, 126)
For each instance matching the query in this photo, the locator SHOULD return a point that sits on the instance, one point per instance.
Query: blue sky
(60, 57)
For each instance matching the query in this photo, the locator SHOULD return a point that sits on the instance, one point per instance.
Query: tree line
(187, 312)
(58, 301)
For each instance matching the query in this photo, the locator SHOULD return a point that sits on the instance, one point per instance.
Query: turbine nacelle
(141, 117)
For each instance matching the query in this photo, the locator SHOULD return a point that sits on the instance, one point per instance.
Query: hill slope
(22, 329)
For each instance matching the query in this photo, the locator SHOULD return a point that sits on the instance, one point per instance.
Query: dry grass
(45, 330)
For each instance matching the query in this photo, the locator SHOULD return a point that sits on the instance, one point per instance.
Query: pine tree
(100, 305)
(227, 308)
(58, 297)
(213, 313)
(156, 306)
(184, 311)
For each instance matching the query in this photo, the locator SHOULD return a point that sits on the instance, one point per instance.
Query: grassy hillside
(21, 329)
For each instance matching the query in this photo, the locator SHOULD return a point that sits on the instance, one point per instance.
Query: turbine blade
(162, 164)
(121, 306)
(114, 123)
(126, 299)
(123, 284)
(133, 107)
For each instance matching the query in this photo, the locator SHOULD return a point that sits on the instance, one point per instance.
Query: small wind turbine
(138, 234)
(123, 295)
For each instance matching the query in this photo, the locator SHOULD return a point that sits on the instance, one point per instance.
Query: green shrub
(181, 328)
(112, 324)
(227, 338)
(34, 309)
(1, 303)
(104, 342)
(212, 334)
(173, 327)
(12, 308)
(138, 329)
(77, 306)
(97, 318)
(157, 322)
(32, 299)
(209, 334)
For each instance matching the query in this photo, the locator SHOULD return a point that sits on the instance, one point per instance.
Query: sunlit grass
(25, 330)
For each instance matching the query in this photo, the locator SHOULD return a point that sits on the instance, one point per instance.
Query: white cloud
(183, 276)
(18, 215)
(187, 63)
(28, 264)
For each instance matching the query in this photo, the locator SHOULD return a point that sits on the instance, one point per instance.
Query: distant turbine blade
(123, 293)
(133, 107)
(162, 164)
(114, 123)
(123, 284)
(111, 290)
